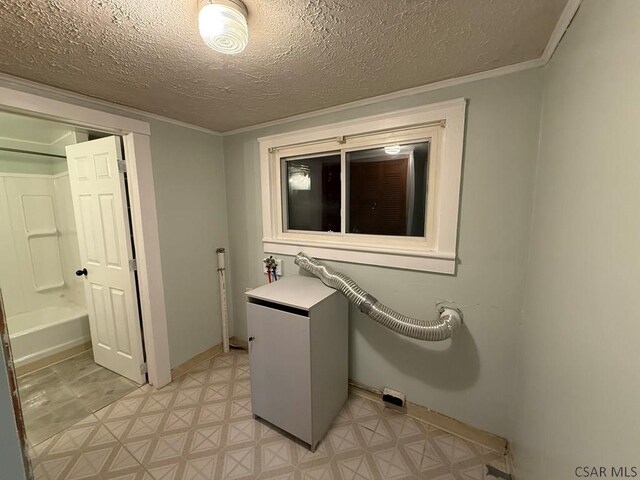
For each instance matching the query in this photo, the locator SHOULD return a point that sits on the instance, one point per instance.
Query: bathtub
(42, 333)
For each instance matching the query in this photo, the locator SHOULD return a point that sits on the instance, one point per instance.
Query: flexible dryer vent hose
(444, 327)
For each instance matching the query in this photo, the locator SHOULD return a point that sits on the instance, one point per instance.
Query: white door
(99, 203)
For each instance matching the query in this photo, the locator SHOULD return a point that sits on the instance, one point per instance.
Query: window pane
(313, 193)
(387, 190)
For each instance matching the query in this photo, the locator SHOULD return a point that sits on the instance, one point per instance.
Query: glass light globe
(392, 149)
(223, 26)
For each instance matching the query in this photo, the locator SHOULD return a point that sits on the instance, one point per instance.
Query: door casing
(136, 138)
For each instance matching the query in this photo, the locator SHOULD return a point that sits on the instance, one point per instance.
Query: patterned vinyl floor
(200, 427)
(56, 397)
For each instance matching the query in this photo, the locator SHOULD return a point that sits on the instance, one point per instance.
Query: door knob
(82, 272)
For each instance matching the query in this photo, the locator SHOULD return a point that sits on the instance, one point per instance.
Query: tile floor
(59, 396)
(200, 427)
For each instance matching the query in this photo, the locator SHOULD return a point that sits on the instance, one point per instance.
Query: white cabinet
(298, 341)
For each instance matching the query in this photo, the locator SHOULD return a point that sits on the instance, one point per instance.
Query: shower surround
(39, 254)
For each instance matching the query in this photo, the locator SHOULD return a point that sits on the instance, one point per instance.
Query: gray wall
(470, 378)
(579, 398)
(10, 453)
(188, 171)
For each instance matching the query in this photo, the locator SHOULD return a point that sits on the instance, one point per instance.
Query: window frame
(436, 252)
(431, 134)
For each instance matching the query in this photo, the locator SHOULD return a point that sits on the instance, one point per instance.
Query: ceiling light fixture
(223, 25)
(392, 149)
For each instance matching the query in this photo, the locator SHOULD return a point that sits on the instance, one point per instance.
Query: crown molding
(474, 77)
(10, 81)
(558, 32)
(563, 23)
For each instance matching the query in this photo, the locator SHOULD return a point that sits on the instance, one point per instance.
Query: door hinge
(143, 368)
(133, 265)
(122, 166)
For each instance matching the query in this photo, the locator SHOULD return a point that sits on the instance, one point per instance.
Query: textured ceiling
(303, 55)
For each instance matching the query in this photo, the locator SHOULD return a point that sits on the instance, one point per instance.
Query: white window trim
(438, 254)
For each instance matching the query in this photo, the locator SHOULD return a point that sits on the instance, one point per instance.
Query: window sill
(423, 260)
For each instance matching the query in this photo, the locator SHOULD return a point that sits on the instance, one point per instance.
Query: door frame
(136, 135)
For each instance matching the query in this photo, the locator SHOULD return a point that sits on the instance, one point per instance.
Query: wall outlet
(278, 265)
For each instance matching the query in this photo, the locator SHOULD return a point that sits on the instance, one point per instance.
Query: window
(381, 190)
(387, 190)
(312, 194)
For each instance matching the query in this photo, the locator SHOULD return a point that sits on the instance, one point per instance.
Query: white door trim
(136, 135)
(142, 198)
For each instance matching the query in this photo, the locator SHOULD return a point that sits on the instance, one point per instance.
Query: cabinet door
(280, 369)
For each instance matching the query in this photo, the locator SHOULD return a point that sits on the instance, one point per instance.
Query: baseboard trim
(202, 357)
(488, 440)
(209, 353)
(52, 359)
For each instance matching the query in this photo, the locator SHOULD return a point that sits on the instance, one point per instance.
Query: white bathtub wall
(68, 236)
(33, 228)
(10, 285)
(37, 255)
